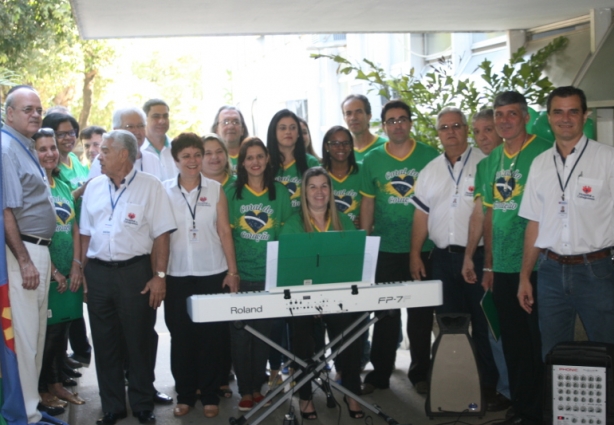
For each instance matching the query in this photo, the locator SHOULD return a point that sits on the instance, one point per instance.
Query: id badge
(193, 235)
(106, 229)
(563, 208)
(455, 201)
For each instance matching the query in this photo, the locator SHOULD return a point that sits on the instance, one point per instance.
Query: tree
(437, 89)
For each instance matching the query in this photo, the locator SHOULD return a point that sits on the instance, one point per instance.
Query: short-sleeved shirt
(582, 220)
(359, 154)
(24, 186)
(445, 193)
(75, 174)
(195, 248)
(229, 181)
(168, 169)
(391, 181)
(256, 220)
(347, 193)
(142, 213)
(503, 193)
(295, 224)
(61, 249)
(292, 179)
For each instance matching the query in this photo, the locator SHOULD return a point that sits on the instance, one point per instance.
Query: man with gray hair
(133, 119)
(126, 221)
(230, 126)
(444, 202)
(29, 224)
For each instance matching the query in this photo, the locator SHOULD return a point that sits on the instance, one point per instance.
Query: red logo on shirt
(587, 189)
(131, 216)
(471, 188)
(203, 199)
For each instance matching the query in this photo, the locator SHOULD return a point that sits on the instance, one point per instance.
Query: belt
(118, 264)
(457, 249)
(35, 240)
(580, 258)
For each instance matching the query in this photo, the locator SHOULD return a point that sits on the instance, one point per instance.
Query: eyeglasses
(456, 126)
(236, 123)
(65, 134)
(132, 127)
(394, 121)
(29, 110)
(339, 144)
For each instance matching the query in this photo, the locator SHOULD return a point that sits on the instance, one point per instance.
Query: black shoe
(71, 373)
(69, 382)
(72, 363)
(145, 416)
(495, 402)
(161, 398)
(111, 418)
(51, 410)
(84, 360)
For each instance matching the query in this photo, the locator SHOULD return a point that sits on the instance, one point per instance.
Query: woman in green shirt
(215, 161)
(319, 214)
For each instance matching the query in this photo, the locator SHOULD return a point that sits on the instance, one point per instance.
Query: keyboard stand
(312, 370)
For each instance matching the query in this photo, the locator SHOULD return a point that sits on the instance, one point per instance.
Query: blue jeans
(564, 290)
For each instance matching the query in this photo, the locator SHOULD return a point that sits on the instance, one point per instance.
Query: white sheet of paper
(272, 255)
(370, 263)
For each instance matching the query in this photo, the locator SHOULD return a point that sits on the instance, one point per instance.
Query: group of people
(152, 219)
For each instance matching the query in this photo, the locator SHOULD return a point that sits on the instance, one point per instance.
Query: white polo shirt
(583, 221)
(124, 222)
(445, 193)
(148, 163)
(168, 169)
(196, 248)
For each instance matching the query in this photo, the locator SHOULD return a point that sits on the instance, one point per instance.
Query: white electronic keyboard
(314, 300)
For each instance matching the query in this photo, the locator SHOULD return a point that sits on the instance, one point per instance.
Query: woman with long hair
(258, 207)
(307, 138)
(287, 153)
(319, 214)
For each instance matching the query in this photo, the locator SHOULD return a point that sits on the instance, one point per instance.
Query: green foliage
(437, 89)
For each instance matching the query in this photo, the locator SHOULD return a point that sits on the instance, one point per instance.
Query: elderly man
(568, 201)
(390, 173)
(230, 126)
(133, 120)
(157, 142)
(444, 202)
(126, 220)
(508, 167)
(29, 224)
(356, 110)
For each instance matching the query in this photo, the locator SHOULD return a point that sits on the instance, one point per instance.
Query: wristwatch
(161, 275)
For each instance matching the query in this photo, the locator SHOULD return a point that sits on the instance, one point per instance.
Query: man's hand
(157, 291)
(468, 270)
(525, 295)
(487, 279)
(29, 275)
(416, 267)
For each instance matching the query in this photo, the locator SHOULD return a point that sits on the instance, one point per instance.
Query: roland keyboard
(314, 300)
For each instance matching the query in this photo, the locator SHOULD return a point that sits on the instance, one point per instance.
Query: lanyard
(114, 204)
(192, 212)
(457, 181)
(40, 169)
(570, 174)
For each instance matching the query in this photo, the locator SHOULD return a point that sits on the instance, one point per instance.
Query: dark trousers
(77, 336)
(394, 267)
(249, 353)
(53, 355)
(122, 321)
(195, 347)
(462, 297)
(303, 344)
(521, 340)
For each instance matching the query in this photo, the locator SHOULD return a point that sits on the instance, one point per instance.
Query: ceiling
(165, 18)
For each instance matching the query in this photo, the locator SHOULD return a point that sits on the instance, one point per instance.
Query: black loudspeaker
(579, 384)
(454, 377)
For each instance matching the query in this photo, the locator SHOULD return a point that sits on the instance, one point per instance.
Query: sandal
(224, 392)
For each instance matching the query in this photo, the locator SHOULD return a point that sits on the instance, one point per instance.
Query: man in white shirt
(157, 142)
(444, 202)
(132, 119)
(569, 199)
(126, 221)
